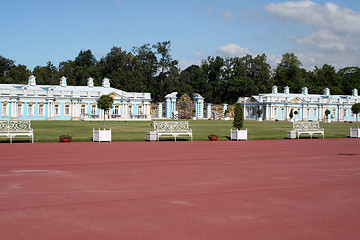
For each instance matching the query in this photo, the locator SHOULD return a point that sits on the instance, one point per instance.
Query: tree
(17, 74)
(239, 117)
(124, 69)
(326, 77)
(5, 66)
(288, 72)
(105, 103)
(327, 113)
(350, 79)
(85, 66)
(213, 71)
(46, 75)
(355, 109)
(291, 115)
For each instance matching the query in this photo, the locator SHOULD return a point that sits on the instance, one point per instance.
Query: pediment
(299, 100)
(115, 95)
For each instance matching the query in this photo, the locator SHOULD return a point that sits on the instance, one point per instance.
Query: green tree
(213, 71)
(148, 61)
(18, 74)
(5, 66)
(105, 103)
(46, 75)
(350, 79)
(66, 69)
(85, 66)
(124, 69)
(291, 115)
(326, 77)
(239, 117)
(355, 109)
(194, 77)
(288, 73)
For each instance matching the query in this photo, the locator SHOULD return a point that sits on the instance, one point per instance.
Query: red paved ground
(270, 189)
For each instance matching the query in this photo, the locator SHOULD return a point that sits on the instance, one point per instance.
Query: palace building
(63, 102)
(277, 106)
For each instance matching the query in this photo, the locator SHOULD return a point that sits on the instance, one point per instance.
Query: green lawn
(48, 131)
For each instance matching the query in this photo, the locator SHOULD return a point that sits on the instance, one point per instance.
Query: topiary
(239, 116)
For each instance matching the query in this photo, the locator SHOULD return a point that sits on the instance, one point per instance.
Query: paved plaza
(260, 189)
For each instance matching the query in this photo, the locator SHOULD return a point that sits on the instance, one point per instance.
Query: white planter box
(354, 132)
(291, 134)
(260, 119)
(239, 134)
(151, 136)
(101, 135)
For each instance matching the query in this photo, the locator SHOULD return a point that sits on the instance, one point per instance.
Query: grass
(49, 131)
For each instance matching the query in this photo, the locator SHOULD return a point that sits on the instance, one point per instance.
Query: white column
(13, 109)
(50, 110)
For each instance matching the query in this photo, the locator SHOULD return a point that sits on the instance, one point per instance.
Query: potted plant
(65, 138)
(291, 115)
(296, 113)
(355, 132)
(259, 112)
(104, 103)
(213, 137)
(226, 112)
(238, 134)
(327, 113)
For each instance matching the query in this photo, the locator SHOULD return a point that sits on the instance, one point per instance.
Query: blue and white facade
(277, 106)
(62, 102)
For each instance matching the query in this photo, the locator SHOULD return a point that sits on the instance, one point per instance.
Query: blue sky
(34, 32)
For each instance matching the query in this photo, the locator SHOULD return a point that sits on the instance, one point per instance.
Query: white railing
(16, 128)
(307, 128)
(172, 129)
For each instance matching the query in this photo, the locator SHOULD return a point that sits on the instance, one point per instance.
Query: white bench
(172, 129)
(307, 128)
(16, 128)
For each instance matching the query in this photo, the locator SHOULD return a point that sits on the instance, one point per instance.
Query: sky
(319, 32)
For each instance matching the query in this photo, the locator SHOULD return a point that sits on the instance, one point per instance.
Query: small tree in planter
(296, 113)
(259, 112)
(105, 103)
(355, 109)
(238, 134)
(291, 115)
(226, 112)
(327, 113)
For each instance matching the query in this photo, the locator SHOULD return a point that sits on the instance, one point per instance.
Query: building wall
(310, 107)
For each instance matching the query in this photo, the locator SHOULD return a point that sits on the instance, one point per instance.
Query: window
(116, 110)
(19, 110)
(345, 113)
(93, 109)
(140, 110)
(130, 110)
(56, 109)
(30, 110)
(283, 112)
(252, 112)
(67, 110)
(5, 112)
(315, 113)
(275, 112)
(83, 110)
(41, 110)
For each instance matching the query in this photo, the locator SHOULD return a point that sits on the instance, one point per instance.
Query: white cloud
(335, 36)
(226, 15)
(232, 50)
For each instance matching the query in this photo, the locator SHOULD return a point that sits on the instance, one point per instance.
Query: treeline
(150, 68)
